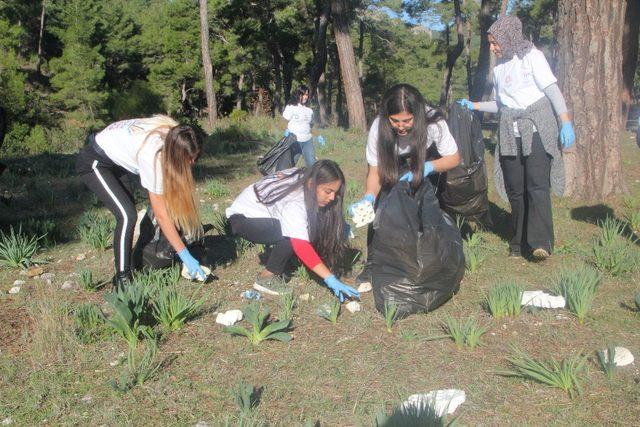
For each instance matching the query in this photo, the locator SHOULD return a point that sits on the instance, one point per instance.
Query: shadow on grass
(501, 222)
(595, 214)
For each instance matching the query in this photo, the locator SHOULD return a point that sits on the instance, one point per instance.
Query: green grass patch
(261, 330)
(17, 248)
(504, 299)
(578, 285)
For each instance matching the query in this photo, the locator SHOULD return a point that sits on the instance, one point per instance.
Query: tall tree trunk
(467, 51)
(42, 13)
(629, 53)
(360, 49)
(452, 55)
(208, 68)
(330, 95)
(287, 76)
(481, 78)
(590, 75)
(323, 10)
(503, 7)
(322, 101)
(240, 93)
(348, 69)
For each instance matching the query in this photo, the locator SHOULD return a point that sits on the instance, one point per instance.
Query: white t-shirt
(518, 83)
(122, 142)
(438, 133)
(300, 119)
(290, 210)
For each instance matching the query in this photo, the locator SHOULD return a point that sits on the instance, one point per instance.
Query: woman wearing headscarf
(528, 153)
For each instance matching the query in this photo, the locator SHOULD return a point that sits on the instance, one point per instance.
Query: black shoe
(121, 280)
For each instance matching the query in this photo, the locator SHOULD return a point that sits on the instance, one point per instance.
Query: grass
(17, 248)
(463, 332)
(564, 374)
(261, 329)
(86, 280)
(411, 416)
(607, 361)
(473, 252)
(221, 224)
(505, 299)
(302, 273)
(330, 311)
(139, 369)
(246, 397)
(130, 313)
(578, 286)
(95, 230)
(390, 315)
(612, 251)
(216, 189)
(89, 323)
(288, 303)
(172, 307)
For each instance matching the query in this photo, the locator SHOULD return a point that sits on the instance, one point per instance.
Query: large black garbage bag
(463, 189)
(279, 157)
(417, 256)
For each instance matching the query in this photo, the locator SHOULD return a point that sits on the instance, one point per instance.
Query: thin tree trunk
(452, 55)
(287, 75)
(322, 101)
(208, 68)
(360, 50)
(590, 75)
(348, 69)
(239, 95)
(481, 78)
(320, 44)
(330, 95)
(42, 13)
(629, 54)
(467, 52)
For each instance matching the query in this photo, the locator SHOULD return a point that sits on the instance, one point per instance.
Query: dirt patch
(16, 325)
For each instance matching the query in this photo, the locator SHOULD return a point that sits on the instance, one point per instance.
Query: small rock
(118, 360)
(34, 271)
(441, 401)
(7, 421)
(229, 317)
(202, 424)
(19, 283)
(47, 276)
(365, 287)
(352, 306)
(622, 356)
(86, 399)
(81, 257)
(67, 285)
(14, 290)
(306, 297)
(216, 206)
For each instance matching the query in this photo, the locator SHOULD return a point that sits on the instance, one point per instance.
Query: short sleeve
(372, 143)
(150, 167)
(287, 113)
(440, 135)
(540, 69)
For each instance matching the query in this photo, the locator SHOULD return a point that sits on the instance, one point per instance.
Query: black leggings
(265, 231)
(112, 185)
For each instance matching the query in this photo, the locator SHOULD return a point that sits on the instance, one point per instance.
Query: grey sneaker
(274, 285)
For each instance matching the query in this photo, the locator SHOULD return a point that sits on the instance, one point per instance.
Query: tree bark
(208, 68)
(42, 13)
(240, 93)
(453, 53)
(467, 51)
(322, 101)
(348, 69)
(323, 8)
(481, 78)
(590, 76)
(629, 54)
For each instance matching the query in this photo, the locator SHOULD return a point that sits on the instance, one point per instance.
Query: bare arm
(166, 225)
(372, 185)
(446, 163)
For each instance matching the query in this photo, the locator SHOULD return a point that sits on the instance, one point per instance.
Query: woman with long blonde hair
(161, 152)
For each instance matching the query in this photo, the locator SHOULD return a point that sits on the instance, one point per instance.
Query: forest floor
(328, 374)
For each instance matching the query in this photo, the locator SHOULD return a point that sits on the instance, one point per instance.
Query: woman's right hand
(368, 198)
(192, 264)
(466, 103)
(340, 290)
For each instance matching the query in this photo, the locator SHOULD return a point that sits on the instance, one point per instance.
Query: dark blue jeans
(308, 152)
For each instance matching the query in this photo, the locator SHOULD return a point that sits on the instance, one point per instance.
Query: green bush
(505, 299)
(95, 230)
(89, 323)
(578, 284)
(37, 141)
(17, 249)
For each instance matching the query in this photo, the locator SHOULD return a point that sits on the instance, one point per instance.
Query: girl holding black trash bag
(161, 152)
(403, 143)
(297, 211)
(530, 158)
(300, 122)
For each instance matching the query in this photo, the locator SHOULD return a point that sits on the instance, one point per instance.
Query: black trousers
(112, 185)
(528, 186)
(265, 231)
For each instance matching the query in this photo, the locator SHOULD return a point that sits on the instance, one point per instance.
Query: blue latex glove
(348, 232)
(466, 103)
(370, 198)
(193, 266)
(320, 140)
(428, 170)
(567, 135)
(286, 133)
(340, 290)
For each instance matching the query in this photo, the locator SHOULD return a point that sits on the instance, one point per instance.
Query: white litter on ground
(442, 401)
(185, 273)
(14, 290)
(352, 306)
(363, 214)
(622, 357)
(365, 287)
(229, 318)
(19, 283)
(542, 299)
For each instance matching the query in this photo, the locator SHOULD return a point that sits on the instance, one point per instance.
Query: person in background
(408, 141)
(296, 211)
(528, 153)
(300, 122)
(161, 152)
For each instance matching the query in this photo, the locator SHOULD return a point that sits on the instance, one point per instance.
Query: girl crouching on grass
(297, 211)
(161, 152)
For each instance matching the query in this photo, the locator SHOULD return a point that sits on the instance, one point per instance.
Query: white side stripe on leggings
(94, 166)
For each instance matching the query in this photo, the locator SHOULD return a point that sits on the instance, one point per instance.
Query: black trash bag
(417, 258)
(463, 190)
(152, 249)
(280, 156)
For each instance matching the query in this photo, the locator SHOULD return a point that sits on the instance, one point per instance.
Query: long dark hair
(327, 231)
(297, 95)
(403, 98)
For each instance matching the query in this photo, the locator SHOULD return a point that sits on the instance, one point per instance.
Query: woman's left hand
(567, 135)
(428, 170)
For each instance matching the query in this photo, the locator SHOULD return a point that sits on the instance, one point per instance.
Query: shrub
(411, 416)
(17, 249)
(89, 323)
(221, 224)
(463, 333)
(130, 312)
(505, 299)
(302, 273)
(473, 256)
(261, 330)
(578, 287)
(172, 308)
(563, 375)
(139, 370)
(95, 230)
(607, 361)
(611, 250)
(215, 188)
(86, 280)
(46, 228)
(390, 314)
(288, 300)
